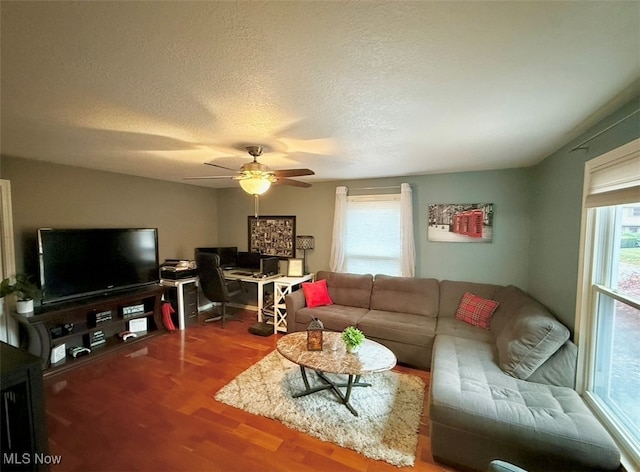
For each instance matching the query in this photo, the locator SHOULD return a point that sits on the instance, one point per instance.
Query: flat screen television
(76, 263)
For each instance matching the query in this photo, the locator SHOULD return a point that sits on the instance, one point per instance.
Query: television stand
(94, 323)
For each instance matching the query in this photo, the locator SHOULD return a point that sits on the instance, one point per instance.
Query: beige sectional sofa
(500, 393)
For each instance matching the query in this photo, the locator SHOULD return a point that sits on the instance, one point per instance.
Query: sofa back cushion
(451, 293)
(510, 299)
(559, 369)
(348, 289)
(405, 295)
(530, 337)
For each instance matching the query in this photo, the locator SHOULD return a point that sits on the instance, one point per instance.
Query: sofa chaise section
(507, 392)
(478, 414)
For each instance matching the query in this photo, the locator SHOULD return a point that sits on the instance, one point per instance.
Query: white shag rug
(389, 411)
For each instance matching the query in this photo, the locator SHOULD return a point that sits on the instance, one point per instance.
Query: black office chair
(214, 286)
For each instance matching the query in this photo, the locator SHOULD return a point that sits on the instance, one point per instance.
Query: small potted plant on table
(25, 290)
(352, 338)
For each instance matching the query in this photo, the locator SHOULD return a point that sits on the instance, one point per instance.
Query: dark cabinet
(97, 325)
(23, 441)
(191, 305)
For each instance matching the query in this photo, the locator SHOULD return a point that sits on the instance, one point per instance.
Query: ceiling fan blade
(221, 167)
(295, 183)
(292, 172)
(209, 177)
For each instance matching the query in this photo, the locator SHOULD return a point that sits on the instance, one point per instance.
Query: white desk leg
(181, 307)
(279, 291)
(260, 300)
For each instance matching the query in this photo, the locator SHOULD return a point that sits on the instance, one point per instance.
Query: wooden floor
(150, 407)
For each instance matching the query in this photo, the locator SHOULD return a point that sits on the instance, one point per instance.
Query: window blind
(372, 243)
(615, 179)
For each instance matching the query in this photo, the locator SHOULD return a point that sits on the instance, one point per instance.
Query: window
(608, 314)
(615, 377)
(372, 243)
(373, 234)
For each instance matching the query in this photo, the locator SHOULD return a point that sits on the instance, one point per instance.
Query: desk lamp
(304, 243)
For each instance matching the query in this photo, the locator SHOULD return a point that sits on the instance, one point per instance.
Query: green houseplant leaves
(21, 286)
(352, 337)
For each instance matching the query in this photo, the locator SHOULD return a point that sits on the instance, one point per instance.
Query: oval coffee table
(334, 359)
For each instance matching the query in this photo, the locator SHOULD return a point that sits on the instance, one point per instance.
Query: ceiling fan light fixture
(256, 178)
(255, 184)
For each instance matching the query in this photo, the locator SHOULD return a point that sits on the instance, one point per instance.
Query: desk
(239, 274)
(179, 284)
(281, 288)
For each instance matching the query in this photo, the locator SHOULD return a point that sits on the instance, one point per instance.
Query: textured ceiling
(349, 89)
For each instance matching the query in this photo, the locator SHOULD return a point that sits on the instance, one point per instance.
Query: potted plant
(25, 290)
(353, 338)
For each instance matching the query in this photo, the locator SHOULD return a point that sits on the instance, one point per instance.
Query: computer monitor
(270, 265)
(249, 260)
(228, 255)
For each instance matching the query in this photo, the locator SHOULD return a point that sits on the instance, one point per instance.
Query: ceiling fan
(256, 178)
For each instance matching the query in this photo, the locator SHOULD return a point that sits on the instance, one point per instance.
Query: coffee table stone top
(334, 358)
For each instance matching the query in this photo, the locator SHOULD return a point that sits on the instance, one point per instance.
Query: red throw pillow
(475, 310)
(316, 293)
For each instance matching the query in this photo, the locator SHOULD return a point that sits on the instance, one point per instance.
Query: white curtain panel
(408, 260)
(339, 230)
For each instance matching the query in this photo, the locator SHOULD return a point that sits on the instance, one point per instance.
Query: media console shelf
(94, 323)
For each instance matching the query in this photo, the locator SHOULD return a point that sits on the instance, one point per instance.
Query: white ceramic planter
(352, 349)
(24, 306)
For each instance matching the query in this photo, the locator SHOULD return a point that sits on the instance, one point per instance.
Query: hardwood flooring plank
(151, 407)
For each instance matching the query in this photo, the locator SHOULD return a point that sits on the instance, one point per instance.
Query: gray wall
(51, 195)
(504, 261)
(556, 207)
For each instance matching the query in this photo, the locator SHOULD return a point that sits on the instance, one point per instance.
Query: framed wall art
(295, 268)
(273, 235)
(460, 222)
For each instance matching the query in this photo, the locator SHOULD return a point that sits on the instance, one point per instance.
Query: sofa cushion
(451, 293)
(510, 299)
(454, 327)
(316, 293)
(476, 310)
(417, 296)
(528, 339)
(548, 426)
(402, 327)
(334, 317)
(348, 289)
(559, 369)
